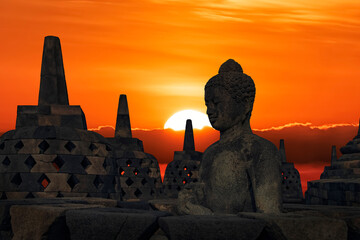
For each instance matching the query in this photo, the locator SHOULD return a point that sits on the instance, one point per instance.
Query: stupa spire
(282, 150)
(52, 82)
(189, 144)
(333, 154)
(123, 128)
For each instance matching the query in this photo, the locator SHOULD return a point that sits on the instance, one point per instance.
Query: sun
(178, 120)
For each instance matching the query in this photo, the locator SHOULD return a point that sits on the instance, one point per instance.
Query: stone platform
(95, 218)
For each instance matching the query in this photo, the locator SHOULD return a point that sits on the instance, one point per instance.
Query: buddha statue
(241, 171)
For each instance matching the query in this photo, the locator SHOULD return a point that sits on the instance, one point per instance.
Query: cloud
(296, 124)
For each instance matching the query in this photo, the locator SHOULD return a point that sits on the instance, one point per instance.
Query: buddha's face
(223, 111)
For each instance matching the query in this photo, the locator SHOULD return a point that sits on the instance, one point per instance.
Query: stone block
(65, 110)
(111, 223)
(74, 121)
(45, 132)
(95, 165)
(66, 133)
(211, 227)
(41, 222)
(49, 120)
(297, 227)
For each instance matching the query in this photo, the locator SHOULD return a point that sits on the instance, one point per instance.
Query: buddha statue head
(229, 97)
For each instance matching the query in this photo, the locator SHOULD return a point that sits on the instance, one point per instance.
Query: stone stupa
(185, 166)
(290, 179)
(139, 172)
(51, 153)
(339, 184)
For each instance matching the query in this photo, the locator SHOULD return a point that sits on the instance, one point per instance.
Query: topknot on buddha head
(239, 85)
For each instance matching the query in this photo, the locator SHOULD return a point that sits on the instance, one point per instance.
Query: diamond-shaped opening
(59, 195)
(17, 180)
(105, 163)
(121, 171)
(93, 147)
(44, 145)
(30, 195)
(128, 163)
(180, 173)
(143, 182)
(108, 148)
(30, 162)
(114, 181)
(178, 188)
(195, 180)
(98, 181)
(174, 180)
(44, 181)
(72, 181)
(152, 192)
(6, 161)
(136, 172)
(138, 193)
(177, 166)
(148, 171)
(2, 146)
(129, 182)
(85, 162)
(19, 145)
(58, 162)
(3, 196)
(70, 146)
(123, 193)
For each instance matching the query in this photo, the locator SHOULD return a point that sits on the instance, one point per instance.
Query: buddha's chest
(226, 166)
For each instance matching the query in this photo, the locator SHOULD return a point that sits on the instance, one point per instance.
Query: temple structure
(185, 166)
(339, 184)
(290, 184)
(51, 153)
(139, 172)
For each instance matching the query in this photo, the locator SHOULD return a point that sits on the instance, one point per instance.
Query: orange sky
(303, 56)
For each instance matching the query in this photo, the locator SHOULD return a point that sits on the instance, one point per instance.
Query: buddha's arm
(190, 199)
(266, 181)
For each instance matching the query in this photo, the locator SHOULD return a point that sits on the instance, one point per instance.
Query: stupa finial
(52, 83)
(189, 144)
(123, 127)
(333, 155)
(282, 150)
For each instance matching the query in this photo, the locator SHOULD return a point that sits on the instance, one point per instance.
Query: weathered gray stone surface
(211, 227)
(111, 223)
(241, 171)
(298, 227)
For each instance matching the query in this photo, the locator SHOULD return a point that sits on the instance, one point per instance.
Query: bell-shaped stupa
(290, 184)
(185, 166)
(51, 153)
(139, 172)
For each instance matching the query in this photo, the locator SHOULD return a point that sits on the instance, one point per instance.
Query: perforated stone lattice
(290, 182)
(139, 175)
(182, 170)
(56, 163)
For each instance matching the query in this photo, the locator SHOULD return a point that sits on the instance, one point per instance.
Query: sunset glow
(178, 120)
(303, 56)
